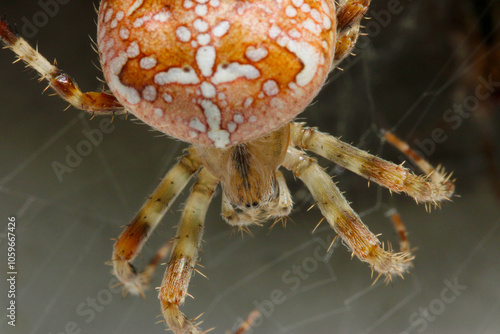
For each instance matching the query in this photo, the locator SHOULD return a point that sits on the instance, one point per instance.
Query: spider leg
(404, 243)
(434, 187)
(249, 322)
(143, 224)
(285, 203)
(349, 15)
(334, 207)
(435, 175)
(183, 259)
(61, 83)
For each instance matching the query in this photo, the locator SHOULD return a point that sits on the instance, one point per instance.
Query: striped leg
(434, 187)
(248, 323)
(334, 207)
(61, 83)
(349, 15)
(404, 243)
(175, 283)
(138, 231)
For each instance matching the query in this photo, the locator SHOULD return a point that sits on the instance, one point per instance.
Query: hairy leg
(61, 83)
(143, 224)
(434, 187)
(349, 15)
(334, 207)
(174, 287)
(435, 175)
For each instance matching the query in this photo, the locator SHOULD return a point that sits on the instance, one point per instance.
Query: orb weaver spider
(229, 77)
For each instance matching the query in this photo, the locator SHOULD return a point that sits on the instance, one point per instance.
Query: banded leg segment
(61, 83)
(174, 287)
(143, 224)
(435, 186)
(404, 243)
(435, 175)
(334, 207)
(349, 15)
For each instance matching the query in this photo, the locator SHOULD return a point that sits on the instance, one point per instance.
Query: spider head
(212, 72)
(248, 171)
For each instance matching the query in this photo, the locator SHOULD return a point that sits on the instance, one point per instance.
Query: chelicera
(228, 77)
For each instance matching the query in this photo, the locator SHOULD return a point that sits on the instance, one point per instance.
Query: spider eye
(252, 205)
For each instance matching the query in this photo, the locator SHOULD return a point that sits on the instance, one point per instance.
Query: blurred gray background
(414, 66)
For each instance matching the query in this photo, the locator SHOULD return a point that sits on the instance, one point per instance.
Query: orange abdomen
(216, 72)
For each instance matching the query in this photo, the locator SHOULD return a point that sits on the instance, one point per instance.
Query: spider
(228, 77)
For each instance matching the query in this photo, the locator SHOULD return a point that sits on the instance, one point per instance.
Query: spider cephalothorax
(228, 76)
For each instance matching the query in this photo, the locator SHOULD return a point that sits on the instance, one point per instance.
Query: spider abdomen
(213, 72)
